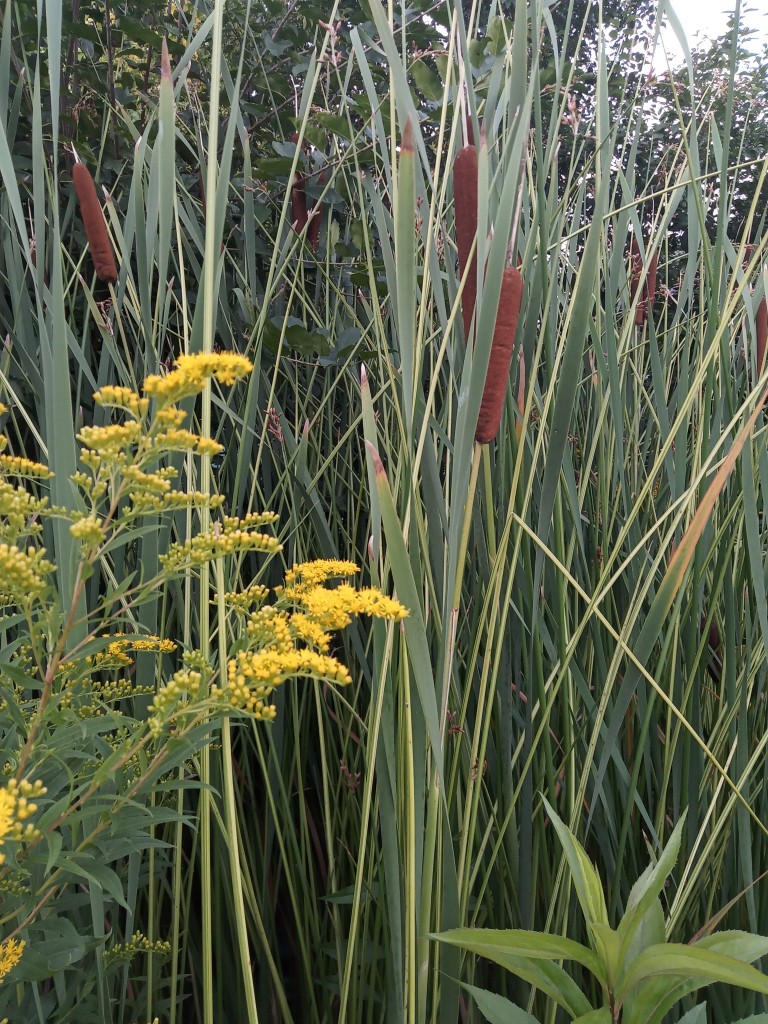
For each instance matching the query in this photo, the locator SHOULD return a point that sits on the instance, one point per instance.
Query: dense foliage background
(556, 645)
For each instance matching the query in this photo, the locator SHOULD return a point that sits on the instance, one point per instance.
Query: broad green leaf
(523, 953)
(427, 82)
(601, 1016)
(586, 880)
(698, 1015)
(742, 946)
(498, 1010)
(646, 889)
(691, 962)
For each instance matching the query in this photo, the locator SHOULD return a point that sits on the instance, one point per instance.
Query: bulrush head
(649, 284)
(298, 199)
(465, 207)
(761, 333)
(503, 344)
(93, 221)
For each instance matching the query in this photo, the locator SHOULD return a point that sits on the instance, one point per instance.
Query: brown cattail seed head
(93, 221)
(761, 333)
(503, 344)
(465, 205)
(649, 285)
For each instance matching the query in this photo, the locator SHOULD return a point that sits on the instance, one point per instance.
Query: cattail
(95, 228)
(315, 218)
(299, 205)
(761, 317)
(465, 207)
(298, 198)
(503, 344)
(761, 332)
(635, 275)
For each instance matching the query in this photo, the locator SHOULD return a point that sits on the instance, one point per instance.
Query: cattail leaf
(408, 594)
(665, 596)
(465, 212)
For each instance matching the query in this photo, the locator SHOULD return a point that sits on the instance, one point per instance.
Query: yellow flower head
(10, 954)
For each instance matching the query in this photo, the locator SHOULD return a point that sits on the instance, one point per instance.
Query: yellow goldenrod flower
(322, 569)
(191, 373)
(229, 538)
(23, 572)
(110, 440)
(116, 397)
(334, 609)
(15, 807)
(88, 530)
(226, 367)
(15, 465)
(10, 954)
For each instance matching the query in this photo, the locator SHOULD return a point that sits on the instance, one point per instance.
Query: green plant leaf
(691, 962)
(698, 1015)
(586, 880)
(527, 954)
(646, 889)
(498, 1010)
(601, 1016)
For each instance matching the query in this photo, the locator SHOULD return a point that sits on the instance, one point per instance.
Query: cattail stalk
(502, 346)
(465, 207)
(95, 227)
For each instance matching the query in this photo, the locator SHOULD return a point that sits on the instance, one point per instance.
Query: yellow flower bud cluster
(15, 465)
(16, 805)
(88, 530)
(138, 943)
(117, 397)
(23, 573)
(226, 538)
(243, 600)
(17, 509)
(10, 954)
(185, 685)
(122, 458)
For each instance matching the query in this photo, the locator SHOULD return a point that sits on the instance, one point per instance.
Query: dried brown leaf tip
(648, 290)
(465, 209)
(406, 143)
(503, 344)
(165, 61)
(93, 221)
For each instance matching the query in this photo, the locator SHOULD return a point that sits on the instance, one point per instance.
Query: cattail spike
(510, 300)
(95, 227)
(465, 207)
(761, 333)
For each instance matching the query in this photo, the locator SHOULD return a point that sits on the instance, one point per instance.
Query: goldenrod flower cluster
(17, 509)
(138, 943)
(22, 573)
(230, 536)
(185, 685)
(122, 459)
(16, 805)
(292, 637)
(191, 374)
(288, 638)
(10, 954)
(15, 465)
